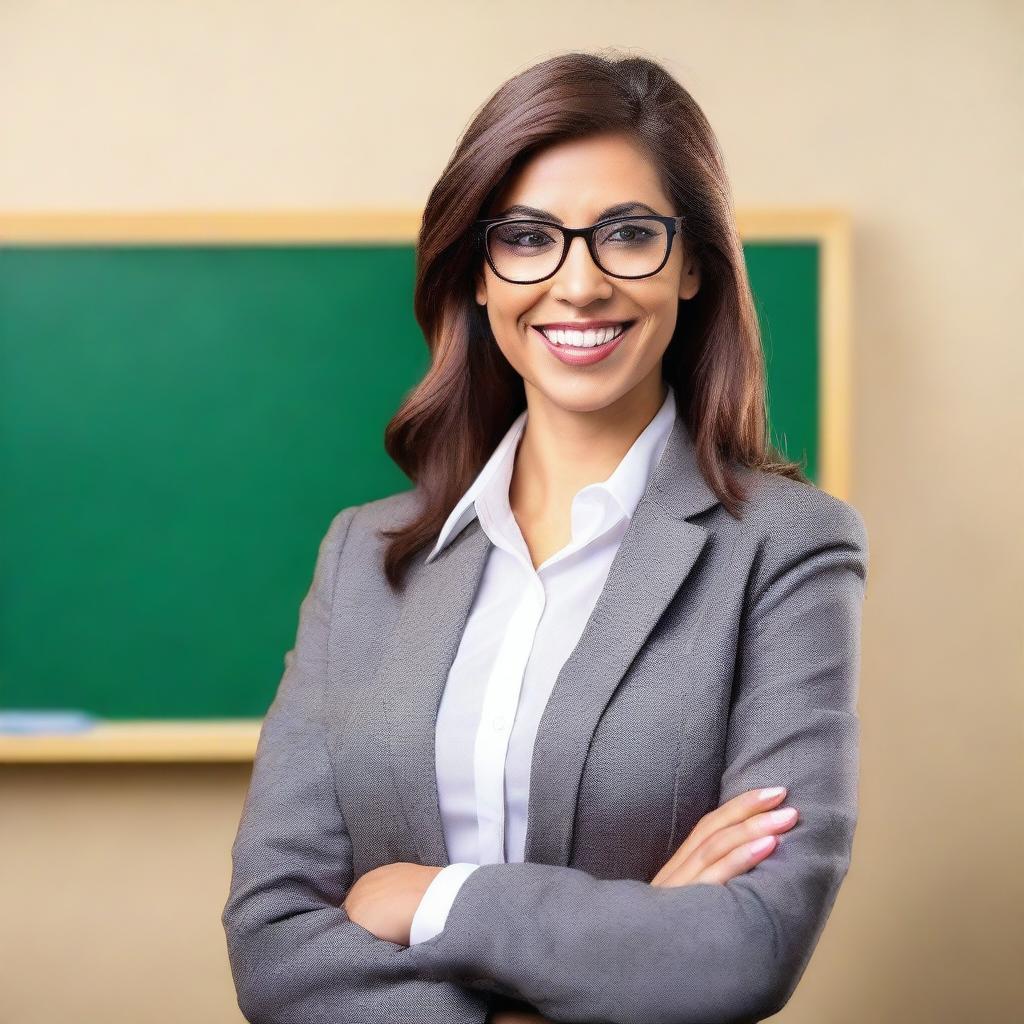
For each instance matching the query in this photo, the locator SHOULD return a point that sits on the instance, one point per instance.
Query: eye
(633, 232)
(519, 236)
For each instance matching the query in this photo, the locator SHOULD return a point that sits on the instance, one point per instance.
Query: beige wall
(907, 114)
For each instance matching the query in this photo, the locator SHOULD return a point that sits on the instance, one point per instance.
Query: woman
(541, 710)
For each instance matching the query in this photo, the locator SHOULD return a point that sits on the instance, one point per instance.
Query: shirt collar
(626, 484)
(629, 481)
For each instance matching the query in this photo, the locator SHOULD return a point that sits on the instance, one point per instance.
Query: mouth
(583, 348)
(582, 340)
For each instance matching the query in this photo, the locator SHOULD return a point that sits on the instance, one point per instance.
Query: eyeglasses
(530, 251)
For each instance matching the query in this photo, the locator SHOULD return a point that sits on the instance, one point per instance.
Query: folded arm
(294, 953)
(582, 948)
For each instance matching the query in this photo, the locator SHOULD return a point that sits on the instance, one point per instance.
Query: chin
(582, 396)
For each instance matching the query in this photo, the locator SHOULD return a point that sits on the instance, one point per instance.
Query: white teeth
(582, 339)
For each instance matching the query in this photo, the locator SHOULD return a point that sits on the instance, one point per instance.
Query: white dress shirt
(522, 626)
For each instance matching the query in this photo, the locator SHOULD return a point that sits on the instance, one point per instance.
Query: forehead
(578, 178)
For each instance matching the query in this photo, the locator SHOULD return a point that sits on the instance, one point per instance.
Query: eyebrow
(619, 209)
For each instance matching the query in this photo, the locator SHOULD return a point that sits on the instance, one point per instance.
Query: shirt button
(498, 723)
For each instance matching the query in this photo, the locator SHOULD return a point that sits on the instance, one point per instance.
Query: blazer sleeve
(295, 955)
(583, 948)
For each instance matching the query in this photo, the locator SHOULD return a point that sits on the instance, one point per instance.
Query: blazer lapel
(413, 673)
(655, 556)
(657, 552)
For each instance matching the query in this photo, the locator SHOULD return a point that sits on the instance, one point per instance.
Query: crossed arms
(576, 947)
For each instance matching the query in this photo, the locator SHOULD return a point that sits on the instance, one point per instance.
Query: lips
(576, 355)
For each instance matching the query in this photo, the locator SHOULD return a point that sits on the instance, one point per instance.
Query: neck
(563, 450)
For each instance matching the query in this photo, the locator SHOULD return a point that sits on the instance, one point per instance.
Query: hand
(719, 846)
(384, 900)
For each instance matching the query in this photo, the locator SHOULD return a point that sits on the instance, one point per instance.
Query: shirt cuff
(432, 912)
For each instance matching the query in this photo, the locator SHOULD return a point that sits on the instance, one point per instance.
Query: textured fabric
(523, 625)
(721, 656)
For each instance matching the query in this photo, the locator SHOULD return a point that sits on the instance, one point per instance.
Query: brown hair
(450, 423)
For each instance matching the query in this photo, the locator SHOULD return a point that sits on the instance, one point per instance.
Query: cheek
(509, 315)
(657, 333)
(661, 308)
(512, 336)
(509, 330)
(660, 300)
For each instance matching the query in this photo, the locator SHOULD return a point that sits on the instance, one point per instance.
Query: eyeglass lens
(525, 250)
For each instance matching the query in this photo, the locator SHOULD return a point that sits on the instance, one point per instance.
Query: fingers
(735, 850)
(738, 861)
(732, 812)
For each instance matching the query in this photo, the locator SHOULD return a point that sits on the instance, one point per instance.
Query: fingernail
(761, 844)
(767, 794)
(782, 816)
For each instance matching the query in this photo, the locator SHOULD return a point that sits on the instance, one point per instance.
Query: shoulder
(372, 516)
(355, 531)
(785, 521)
(778, 507)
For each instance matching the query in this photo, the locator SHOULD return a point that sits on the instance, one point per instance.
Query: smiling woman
(587, 192)
(629, 271)
(527, 754)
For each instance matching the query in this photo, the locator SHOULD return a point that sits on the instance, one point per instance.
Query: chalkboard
(180, 422)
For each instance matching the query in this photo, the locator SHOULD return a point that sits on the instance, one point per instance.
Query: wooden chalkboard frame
(234, 740)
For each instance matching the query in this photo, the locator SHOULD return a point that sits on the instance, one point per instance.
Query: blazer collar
(655, 556)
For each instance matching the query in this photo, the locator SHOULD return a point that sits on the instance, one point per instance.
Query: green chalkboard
(179, 424)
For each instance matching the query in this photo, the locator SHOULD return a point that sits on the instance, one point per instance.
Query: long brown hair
(450, 423)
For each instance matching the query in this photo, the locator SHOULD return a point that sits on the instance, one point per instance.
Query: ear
(689, 282)
(481, 288)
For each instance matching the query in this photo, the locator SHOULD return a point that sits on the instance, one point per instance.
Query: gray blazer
(722, 656)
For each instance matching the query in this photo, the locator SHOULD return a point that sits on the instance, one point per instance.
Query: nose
(579, 279)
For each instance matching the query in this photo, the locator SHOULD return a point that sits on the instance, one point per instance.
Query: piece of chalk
(34, 723)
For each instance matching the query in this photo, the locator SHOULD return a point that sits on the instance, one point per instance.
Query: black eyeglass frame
(482, 227)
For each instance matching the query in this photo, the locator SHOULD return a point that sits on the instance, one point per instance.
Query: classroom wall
(906, 114)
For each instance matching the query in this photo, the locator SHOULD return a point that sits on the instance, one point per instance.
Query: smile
(581, 348)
